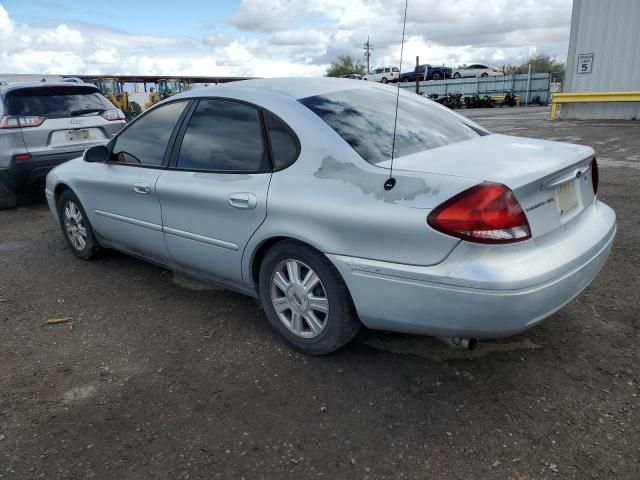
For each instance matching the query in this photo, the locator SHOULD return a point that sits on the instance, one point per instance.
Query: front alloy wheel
(299, 298)
(74, 225)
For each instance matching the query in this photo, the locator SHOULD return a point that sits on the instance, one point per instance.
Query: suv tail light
(113, 114)
(485, 213)
(20, 122)
(595, 177)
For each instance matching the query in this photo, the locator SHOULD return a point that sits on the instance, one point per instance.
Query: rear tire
(456, 75)
(76, 229)
(286, 280)
(384, 80)
(8, 198)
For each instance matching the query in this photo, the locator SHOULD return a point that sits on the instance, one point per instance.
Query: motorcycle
(449, 100)
(509, 99)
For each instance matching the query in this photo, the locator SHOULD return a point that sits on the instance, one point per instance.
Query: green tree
(345, 65)
(540, 63)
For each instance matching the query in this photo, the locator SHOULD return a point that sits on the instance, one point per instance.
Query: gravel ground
(160, 376)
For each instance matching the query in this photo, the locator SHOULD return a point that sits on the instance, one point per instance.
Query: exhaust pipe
(456, 342)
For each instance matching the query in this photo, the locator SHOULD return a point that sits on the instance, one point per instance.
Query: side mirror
(96, 154)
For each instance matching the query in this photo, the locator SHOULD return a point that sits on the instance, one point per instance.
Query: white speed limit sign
(585, 62)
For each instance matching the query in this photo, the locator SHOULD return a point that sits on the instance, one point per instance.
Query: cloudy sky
(269, 37)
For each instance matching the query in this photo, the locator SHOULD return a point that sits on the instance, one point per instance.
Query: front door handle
(141, 187)
(244, 201)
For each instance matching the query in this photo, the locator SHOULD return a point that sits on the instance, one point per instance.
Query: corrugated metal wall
(610, 29)
(539, 85)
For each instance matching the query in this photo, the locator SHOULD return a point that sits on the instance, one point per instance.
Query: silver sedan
(285, 190)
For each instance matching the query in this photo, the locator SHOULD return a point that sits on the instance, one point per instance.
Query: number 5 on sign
(585, 62)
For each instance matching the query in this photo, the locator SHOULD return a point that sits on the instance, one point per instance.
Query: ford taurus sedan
(280, 189)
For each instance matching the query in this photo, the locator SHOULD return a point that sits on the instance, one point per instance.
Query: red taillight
(486, 213)
(114, 114)
(595, 178)
(17, 122)
(22, 156)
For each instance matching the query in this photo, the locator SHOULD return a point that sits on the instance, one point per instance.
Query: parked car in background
(383, 75)
(477, 70)
(353, 76)
(43, 124)
(426, 72)
(276, 188)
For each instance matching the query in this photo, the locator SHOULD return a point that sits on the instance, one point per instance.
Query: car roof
(296, 88)
(12, 87)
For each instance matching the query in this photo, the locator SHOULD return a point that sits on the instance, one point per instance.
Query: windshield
(365, 118)
(170, 86)
(55, 102)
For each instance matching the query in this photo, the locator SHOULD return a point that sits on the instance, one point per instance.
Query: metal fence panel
(539, 84)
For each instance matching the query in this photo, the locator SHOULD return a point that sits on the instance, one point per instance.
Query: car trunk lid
(551, 180)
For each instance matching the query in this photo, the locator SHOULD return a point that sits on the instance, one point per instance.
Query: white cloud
(297, 37)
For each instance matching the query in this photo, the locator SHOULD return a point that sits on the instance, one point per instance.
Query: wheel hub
(298, 299)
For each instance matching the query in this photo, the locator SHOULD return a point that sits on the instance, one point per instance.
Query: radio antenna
(391, 182)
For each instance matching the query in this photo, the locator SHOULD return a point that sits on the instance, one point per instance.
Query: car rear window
(365, 119)
(55, 102)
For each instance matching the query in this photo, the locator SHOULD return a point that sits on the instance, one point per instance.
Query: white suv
(383, 74)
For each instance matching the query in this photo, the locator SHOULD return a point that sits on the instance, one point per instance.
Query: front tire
(76, 229)
(305, 299)
(456, 75)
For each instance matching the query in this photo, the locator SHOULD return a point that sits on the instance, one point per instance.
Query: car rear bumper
(483, 291)
(34, 171)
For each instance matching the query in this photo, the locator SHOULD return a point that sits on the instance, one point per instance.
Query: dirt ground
(159, 376)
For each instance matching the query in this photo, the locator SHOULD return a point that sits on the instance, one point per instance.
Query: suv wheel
(306, 300)
(76, 228)
(384, 80)
(8, 198)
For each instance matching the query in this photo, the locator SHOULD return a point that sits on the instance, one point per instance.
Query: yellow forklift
(111, 88)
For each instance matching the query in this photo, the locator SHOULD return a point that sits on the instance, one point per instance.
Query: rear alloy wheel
(76, 227)
(436, 76)
(299, 298)
(305, 299)
(484, 75)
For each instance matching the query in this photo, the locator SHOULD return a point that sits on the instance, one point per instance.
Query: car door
(214, 195)
(121, 193)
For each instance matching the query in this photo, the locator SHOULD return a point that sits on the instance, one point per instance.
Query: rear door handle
(244, 201)
(141, 187)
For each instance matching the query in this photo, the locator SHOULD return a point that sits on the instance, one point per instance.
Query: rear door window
(56, 102)
(224, 136)
(145, 141)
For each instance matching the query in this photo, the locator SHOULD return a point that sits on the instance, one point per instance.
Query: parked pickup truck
(432, 73)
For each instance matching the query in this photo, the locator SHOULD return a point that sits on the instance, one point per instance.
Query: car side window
(223, 136)
(145, 141)
(284, 144)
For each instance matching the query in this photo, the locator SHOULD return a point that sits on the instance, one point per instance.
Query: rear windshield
(365, 118)
(56, 102)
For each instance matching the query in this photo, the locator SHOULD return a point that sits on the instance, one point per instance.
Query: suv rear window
(365, 119)
(56, 102)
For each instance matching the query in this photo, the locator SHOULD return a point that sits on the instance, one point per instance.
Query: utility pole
(417, 74)
(368, 48)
